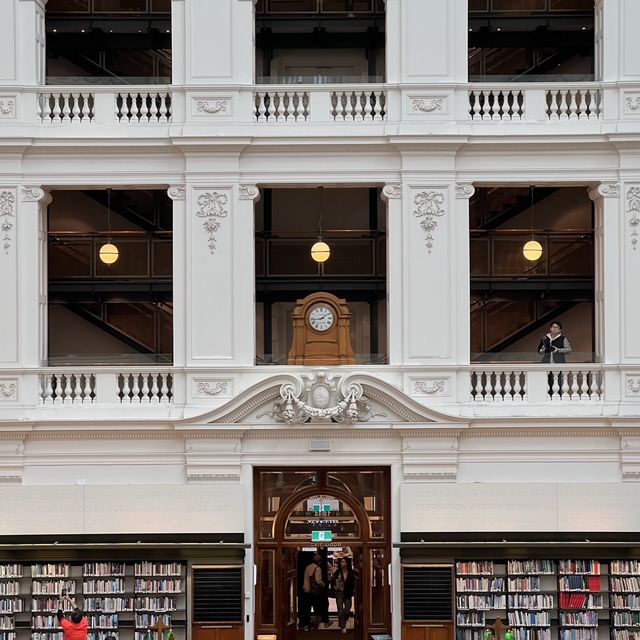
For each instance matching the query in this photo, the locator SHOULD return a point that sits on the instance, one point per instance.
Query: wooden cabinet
(432, 630)
(213, 631)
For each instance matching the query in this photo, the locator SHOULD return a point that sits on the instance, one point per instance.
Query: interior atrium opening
(108, 41)
(320, 41)
(352, 221)
(531, 40)
(103, 311)
(514, 299)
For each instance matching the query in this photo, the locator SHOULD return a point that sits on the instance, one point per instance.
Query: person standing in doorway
(554, 346)
(314, 589)
(343, 587)
(76, 627)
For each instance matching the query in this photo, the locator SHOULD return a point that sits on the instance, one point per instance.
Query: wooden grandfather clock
(321, 331)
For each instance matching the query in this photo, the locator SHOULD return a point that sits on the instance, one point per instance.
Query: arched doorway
(336, 513)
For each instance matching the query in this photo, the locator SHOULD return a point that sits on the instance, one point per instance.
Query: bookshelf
(159, 595)
(531, 593)
(105, 598)
(10, 601)
(480, 597)
(47, 582)
(624, 594)
(580, 599)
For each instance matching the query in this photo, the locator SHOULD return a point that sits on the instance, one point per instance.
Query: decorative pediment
(322, 397)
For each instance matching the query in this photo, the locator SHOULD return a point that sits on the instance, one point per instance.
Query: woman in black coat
(343, 587)
(554, 345)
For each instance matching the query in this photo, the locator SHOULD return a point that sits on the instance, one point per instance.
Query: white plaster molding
(633, 207)
(32, 194)
(7, 107)
(429, 206)
(176, 192)
(464, 190)
(430, 386)
(212, 106)
(8, 389)
(211, 206)
(632, 386)
(210, 388)
(604, 190)
(213, 477)
(427, 104)
(7, 217)
(632, 104)
(248, 192)
(392, 191)
(436, 476)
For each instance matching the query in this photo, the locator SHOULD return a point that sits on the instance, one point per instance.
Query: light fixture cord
(531, 188)
(320, 211)
(109, 216)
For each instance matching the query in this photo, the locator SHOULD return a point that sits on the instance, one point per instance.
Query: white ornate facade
(490, 434)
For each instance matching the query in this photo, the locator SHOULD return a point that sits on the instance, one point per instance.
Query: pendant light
(108, 252)
(532, 249)
(320, 251)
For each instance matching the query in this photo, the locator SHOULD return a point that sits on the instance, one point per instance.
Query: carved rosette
(429, 206)
(248, 192)
(7, 217)
(464, 190)
(633, 208)
(392, 191)
(212, 207)
(176, 192)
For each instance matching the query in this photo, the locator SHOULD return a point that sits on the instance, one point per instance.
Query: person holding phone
(554, 345)
(76, 627)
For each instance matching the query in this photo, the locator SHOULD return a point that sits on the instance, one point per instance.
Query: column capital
(604, 190)
(176, 192)
(249, 192)
(464, 190)
(392, 191)
(34, 194)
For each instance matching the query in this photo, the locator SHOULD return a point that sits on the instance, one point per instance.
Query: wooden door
(290, 599)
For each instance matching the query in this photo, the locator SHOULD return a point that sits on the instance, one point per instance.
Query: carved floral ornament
(7, 217)
(211, 207)
(633, 207)
(176, 192)
(248, 192)
(8, 390)
(212, 106)
(212, 388)
(464, 190)
(392, 191)
(430, 387)
(427, 105)
(429, 206)
(322, 398)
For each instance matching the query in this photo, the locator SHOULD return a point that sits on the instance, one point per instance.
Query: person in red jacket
(76, 628)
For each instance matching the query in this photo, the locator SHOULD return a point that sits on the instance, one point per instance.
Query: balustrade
(65, 107)
(498, 385)
(68, 388)
(146, 387)
(143, 107)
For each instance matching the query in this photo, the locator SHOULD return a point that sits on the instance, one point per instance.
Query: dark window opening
(108, 41)
(102, 313)
(531, 40)
(320, 41)
(513, 299)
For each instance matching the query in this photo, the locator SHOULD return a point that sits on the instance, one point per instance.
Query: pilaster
(177, 194)
(392, 195)
(9, 283)
(607, 271)
(220, 275)
(629, 265)
(429, 254)
(461, 267)
(30, 49)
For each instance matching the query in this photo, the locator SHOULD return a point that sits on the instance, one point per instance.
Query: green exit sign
(321, 536)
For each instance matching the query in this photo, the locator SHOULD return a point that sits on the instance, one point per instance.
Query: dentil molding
(7, 217)
(176, 192)
(212, 207)
(429, 205)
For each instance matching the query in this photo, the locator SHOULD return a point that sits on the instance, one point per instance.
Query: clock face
(321, 317)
